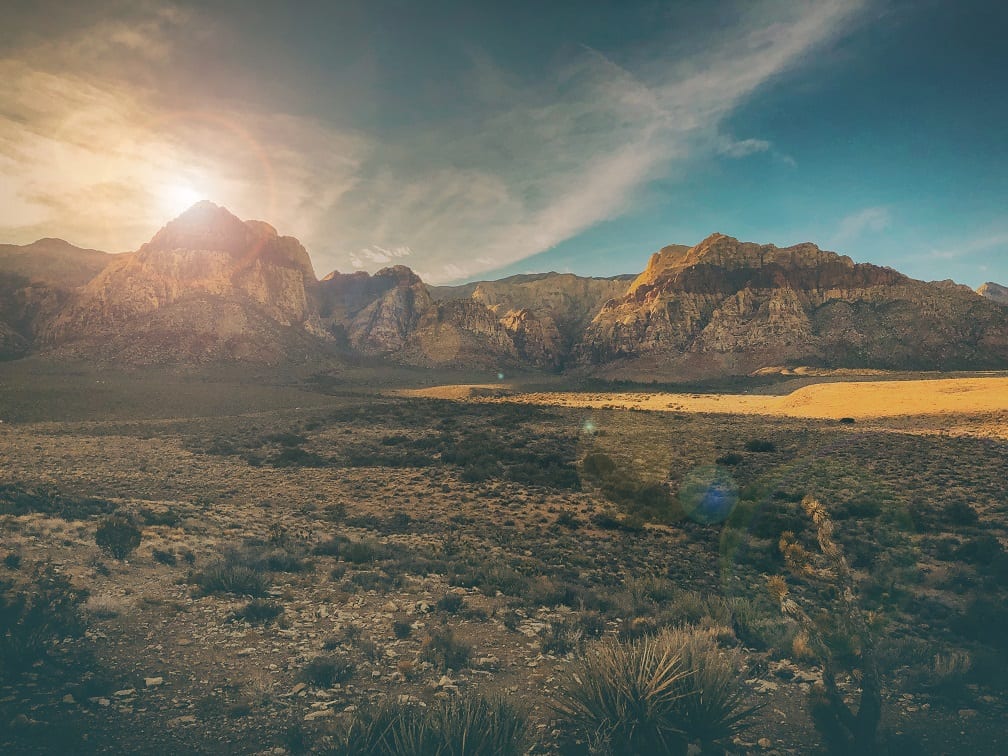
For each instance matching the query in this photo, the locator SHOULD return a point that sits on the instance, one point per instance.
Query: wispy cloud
(870, 220)
(88, 149)
(965, 248)
(741, 148)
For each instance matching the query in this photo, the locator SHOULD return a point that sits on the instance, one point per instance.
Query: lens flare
(708, 495)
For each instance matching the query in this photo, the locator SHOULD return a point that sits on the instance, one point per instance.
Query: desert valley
(756, 491)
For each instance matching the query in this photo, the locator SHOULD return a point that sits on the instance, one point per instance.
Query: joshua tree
(829, 569)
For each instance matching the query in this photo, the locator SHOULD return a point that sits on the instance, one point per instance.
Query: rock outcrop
(207, 259)
(994, 292)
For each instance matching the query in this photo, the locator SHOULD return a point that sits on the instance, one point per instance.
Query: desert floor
(453, 537)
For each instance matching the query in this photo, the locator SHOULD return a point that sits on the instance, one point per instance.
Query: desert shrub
(326, 671)
(164, 557)
(332, 546)
(402, 629)
(959, 513)
(12, 561)
(47, 499)
(361, 552)
(568, 520)
(295, 456)
(229, 576)
(592, 625)
(491, 578)
(760, 445)
(167, 517)
(450, 603)
(36, 616)
(258, 612)
(560, 637)
(598, 465)
(731, 458)
(117, 536)
(445, 651)
(465, 725)
(653, 695)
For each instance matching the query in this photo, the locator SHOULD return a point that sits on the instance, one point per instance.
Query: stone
(153, 682)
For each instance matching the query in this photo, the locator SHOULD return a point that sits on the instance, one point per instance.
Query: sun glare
(178, 198)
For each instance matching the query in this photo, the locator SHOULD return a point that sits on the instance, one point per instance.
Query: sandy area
(860, 400)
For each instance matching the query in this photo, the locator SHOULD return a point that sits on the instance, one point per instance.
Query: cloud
(742, 148)
(984, 243)
(364, 257)
(100, 121)
(869, 220)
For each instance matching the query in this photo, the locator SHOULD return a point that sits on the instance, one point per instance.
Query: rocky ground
(415, 548)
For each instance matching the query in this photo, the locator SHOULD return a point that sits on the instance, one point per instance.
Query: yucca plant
(625, 693)
(654, 695)
(467, 725)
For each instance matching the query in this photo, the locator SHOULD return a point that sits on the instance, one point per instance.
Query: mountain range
(210, 287)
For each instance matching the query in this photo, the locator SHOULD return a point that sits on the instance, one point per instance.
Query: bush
(258, 612)
(450, 603)
(326, 671)
(654, 695)
(760, 445)
(165, 557)
(35, 617)
(402, 629)
(117, 536)
(444, 651)
(229, 577)
(467, 725)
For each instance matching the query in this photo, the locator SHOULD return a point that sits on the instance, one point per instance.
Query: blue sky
(470, 140)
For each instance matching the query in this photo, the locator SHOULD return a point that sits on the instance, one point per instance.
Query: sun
(177, 198)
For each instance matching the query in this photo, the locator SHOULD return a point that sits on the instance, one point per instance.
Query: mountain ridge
(210, 286)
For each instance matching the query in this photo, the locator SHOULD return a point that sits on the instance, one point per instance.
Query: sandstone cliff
(208, 258)
(727, 306)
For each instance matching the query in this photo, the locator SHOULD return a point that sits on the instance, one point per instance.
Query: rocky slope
(36, 282)
(725, 306)
(994, 292)
(545, 314)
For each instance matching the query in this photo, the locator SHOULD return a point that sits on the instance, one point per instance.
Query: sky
(473, 139)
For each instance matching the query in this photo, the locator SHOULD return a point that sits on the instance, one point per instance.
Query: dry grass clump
(465, 725)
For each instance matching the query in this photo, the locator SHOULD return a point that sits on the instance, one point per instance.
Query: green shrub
(117, 536)
(466, 725)
(760, 445)
(654, 695)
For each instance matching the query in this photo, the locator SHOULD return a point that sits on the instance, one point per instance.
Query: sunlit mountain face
(478, 140)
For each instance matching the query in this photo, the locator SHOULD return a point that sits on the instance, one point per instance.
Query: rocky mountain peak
(994, 292)
(205, 226)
